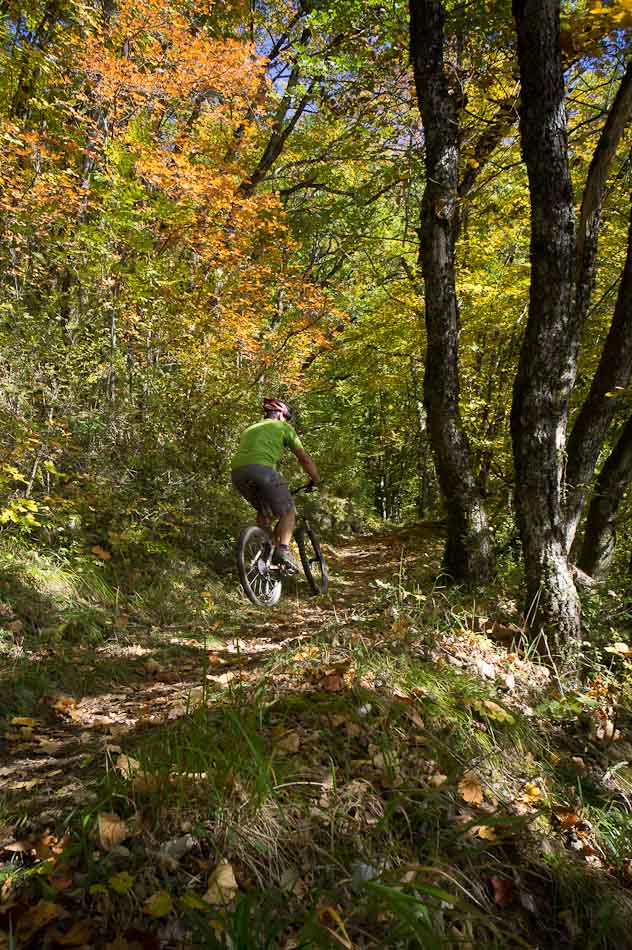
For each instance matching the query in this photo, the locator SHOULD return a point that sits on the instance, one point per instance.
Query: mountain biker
(255, 477)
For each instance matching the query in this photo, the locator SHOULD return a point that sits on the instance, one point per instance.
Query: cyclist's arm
(307, 464)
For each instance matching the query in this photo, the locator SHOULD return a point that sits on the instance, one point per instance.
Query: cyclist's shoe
(283, 557)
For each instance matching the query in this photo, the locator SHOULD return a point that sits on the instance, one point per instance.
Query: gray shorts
(264, 488)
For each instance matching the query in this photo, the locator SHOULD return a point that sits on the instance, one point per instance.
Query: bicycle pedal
(288, 569)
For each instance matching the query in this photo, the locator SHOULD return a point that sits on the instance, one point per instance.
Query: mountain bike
(262, 577)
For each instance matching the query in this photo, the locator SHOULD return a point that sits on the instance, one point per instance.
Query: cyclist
(255, 477)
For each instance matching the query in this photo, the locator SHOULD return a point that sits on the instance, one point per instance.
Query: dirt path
(294, 754)
(52, 757)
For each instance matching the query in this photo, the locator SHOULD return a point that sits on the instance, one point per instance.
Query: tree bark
(542, 386)
(590, 214)
(596, 414)
(601, 523)
(468, 555)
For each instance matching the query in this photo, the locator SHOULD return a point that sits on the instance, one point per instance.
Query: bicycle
(262, 578)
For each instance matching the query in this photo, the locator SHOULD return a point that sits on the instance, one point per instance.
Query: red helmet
(275, 405)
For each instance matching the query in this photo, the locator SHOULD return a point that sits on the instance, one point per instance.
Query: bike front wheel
(312, 560)
(260, 580)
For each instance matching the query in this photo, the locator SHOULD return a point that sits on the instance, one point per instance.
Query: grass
(377, 773)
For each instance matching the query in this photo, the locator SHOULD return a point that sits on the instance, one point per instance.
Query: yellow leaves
(121, 883)
(493, 710)
(532, 793)
(470, 788)
(158, 905)
(27, 721)
(101, 553)
(487, 833)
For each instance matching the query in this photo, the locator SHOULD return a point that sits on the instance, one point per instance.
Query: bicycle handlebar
(310, 486)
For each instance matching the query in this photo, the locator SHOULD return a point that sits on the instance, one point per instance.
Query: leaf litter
(279, 840)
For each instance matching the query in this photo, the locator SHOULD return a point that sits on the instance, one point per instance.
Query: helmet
(275, 405)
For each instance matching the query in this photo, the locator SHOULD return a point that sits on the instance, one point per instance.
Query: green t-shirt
(264, 443)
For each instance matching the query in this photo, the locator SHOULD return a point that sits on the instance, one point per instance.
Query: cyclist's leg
(268, 493)
(277, 498)
(284, 528)
(249, 482)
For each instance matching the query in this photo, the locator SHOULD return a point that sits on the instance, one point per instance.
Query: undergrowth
(385, 773)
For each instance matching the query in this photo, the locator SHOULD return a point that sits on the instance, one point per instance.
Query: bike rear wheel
(260, 580)
(312, 560)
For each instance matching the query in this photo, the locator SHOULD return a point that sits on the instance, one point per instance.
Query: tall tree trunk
(615, 125)
(542, 386)
(592, 423)
(468, 555)
(601, 523)
(424, 460)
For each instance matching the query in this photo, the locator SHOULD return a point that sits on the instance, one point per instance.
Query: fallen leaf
(332, 682)
(68, 706)
(193, 900)
(23, 737)
(621, 648)
(486, 832)
(494, 711)
(566, 819)
(112, 830)
(487, 670)
(399, 693)
(288, 744)
(127, 765)
(415, 718)
(224, 678)
(532, 793)
(121, 883)
(80, 934)
(23, 721)
(503, 891)
(24, 786)
(159, 904)
(34, 919)
(378, 760)
(49, 745)
(470, 788)
(438, 779)
(222, 885)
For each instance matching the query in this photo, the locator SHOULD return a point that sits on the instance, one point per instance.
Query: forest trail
(293, 754)
(52, 757)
